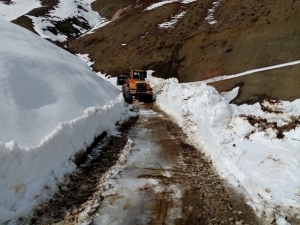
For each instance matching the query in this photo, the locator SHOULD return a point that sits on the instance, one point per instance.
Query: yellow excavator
(137, 87)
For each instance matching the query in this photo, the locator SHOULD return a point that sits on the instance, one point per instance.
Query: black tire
(148, 99)
(126, 93)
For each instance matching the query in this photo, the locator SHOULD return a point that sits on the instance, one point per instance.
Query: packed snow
(244, 142)
(52, 107)
(17, 8)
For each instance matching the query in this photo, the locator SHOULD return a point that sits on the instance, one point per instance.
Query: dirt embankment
(248, 35)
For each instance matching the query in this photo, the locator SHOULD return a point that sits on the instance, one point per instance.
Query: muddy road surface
(148, 174)
(167, 181)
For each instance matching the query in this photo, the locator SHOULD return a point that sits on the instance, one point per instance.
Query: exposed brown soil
(280, 84)
(205, 198)
(262, 125)
(107, 8)
(81, 187)
(248, 35)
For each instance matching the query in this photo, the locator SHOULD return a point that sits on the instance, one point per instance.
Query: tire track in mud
(188, 189)
(183, 187)
(81, 191)
(167, 181)
(206, 198)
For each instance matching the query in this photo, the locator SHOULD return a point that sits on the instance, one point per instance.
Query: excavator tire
(128, 98)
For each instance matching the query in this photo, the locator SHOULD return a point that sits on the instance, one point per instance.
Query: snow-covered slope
(73, 12)
(66, 9)
(51, 107)
(255, 147)
(16, 8)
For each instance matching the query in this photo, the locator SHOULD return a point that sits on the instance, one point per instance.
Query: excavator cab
(139, 75)
(136, 86)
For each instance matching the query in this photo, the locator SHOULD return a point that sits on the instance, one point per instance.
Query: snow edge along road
(205, 116)
(31, 176)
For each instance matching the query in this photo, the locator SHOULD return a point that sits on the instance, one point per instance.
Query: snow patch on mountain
(210, 18)
(16, 8)
(174, 20)
(159, 4)
(68, 9)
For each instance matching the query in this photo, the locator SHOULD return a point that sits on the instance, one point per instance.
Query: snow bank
(245, 152)
(17, 8)
(51, 107)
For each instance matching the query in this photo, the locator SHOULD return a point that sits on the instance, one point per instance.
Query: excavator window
(139, 75)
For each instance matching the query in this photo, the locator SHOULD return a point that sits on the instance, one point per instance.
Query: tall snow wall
(51, 107)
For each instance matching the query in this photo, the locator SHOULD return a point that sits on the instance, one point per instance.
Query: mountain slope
(244, 36)
(189, 40)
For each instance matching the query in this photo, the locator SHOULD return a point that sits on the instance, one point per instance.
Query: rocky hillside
(208, 38)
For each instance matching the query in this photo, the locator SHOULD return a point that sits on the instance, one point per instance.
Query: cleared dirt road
(163, 181)
(167, 181)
